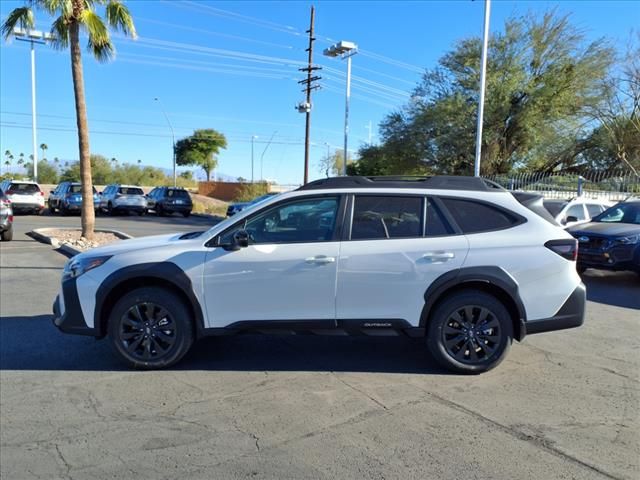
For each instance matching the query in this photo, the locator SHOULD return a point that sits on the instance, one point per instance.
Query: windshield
(554, 207)
(23, 188)
(621, 213)
(130, 191)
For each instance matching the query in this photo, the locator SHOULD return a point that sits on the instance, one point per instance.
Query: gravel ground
(75, 239)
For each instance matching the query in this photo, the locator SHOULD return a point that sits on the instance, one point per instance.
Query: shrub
(249, 191)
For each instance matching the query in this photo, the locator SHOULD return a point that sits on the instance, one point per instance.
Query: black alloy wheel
(470, 332)
(151, 328)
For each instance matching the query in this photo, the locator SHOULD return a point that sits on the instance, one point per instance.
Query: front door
(288, 271)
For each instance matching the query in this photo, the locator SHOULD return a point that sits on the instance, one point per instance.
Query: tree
(200, 149)
(542, 77)
(8, 159)
(47, 173)
(44, 148)
(72, 16)
(21, 159)
(102, 172)
(331, 165)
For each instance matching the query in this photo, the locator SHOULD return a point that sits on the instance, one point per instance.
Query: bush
(249, 191)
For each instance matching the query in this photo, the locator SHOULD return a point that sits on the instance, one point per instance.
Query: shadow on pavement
(34, 343)
(621, 289)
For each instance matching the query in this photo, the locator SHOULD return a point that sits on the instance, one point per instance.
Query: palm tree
(73, 15)
(21, 159)
(56, 162)
(9, 158)
(7, 163)
(44, 148)
(139, 161)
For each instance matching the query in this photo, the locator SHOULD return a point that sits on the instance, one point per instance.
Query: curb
(40, 234)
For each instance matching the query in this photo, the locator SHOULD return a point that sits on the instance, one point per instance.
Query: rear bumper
(18, 207)
(177, 208)
(71, 320)
(570, 315)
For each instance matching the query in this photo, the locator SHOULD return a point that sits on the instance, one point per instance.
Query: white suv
(123, 198)
(457, 260)
(25, 196)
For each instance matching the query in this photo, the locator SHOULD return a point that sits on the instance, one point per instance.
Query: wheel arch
(165, 275)
(492, 280)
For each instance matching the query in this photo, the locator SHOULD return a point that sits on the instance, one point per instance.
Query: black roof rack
(443, 182)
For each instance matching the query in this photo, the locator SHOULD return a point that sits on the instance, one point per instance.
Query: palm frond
(60, 32)
(119, 18)
(99, 43)
(56, 7)
(22, 17)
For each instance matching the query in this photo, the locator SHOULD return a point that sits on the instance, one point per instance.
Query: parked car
(611, 241)
(577, 210)
(458, 261)
(168, 200)
(6, 218)
(123, 198)
(25, 196)
(236, 207)
(67, 198)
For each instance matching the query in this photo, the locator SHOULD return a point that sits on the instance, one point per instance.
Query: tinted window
(594, 209)
(377, 217)
(130, 191)
(177, 194)
(478, 217)
(436, 225)
(554, 207)
(311, 220)
(575, 211)
(78, 189)
(23, 188)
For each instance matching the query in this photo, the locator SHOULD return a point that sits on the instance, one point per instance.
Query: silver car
(123, 198)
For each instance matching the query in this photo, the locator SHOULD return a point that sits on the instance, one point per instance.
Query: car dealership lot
(562, 405)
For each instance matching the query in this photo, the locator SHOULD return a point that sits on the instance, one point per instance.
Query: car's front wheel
(470, 332)
(151, 328)
(7, 235)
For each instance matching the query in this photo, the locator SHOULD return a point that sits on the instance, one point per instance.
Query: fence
(613, 186)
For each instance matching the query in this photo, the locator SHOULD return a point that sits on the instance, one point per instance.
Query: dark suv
(611, 241)
(168, 200)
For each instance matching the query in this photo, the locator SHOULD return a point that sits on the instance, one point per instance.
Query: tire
(110, 210)
(142, 213)
(457, 344)
(7, 235)
(125, 331)
(186, 214)
(51, 209)
(63, 210)
(160, 211)
(581, 269)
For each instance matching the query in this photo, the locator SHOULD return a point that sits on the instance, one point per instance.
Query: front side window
(575, 211)
(473, 217)
(378, 217)
(297, 221)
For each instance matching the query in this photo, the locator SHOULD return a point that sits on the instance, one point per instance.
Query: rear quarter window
(473, 216)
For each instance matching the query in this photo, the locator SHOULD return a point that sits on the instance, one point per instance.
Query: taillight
(41, 193)
(566, 248)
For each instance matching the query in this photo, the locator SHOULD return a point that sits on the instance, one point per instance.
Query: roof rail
(442, 182)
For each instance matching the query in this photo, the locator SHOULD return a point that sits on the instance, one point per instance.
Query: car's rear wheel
(150, 328)
(186, 214)
(470, 332)
(110, 210)
(7, 235)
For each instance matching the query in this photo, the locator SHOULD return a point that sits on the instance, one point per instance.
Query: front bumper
(72, 319)
(619, 257)
(570, 315)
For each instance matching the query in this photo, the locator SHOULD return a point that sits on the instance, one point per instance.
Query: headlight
(77, 266)
(629, 240)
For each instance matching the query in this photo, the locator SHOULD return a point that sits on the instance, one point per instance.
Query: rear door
(395, 247)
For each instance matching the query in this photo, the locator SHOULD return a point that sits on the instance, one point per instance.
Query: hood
(133, 244)
(606, 229)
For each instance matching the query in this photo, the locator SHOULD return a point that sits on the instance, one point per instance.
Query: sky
(232, 66)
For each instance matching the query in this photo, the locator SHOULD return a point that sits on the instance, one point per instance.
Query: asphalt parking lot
(563, 405)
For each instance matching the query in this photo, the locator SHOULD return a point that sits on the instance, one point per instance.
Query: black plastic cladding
(443, 182)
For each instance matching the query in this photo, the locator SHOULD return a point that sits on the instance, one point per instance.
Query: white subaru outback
(458, 261)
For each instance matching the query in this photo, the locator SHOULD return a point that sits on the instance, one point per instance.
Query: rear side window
(594, 209)
(23, 188)
(377, 217)
(78, 189)
(130, 191)
(436, 224)
(474, 217)
(575, 211)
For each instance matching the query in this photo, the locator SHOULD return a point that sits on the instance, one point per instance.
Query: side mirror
(571, 219)
(240, 240)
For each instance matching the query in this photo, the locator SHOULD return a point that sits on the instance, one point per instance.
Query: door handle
(439, 256)
(320, 259)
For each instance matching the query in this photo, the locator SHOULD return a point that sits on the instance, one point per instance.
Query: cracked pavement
(562, 405)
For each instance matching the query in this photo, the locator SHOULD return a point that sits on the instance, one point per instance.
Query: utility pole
(253, 137)
(173, 140)
(309, 87)
(370, 128)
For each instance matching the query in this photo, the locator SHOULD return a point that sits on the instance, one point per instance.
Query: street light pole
(344, 50)
(173, 140)
(483, 74)
(253, 137)
(33, 37)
